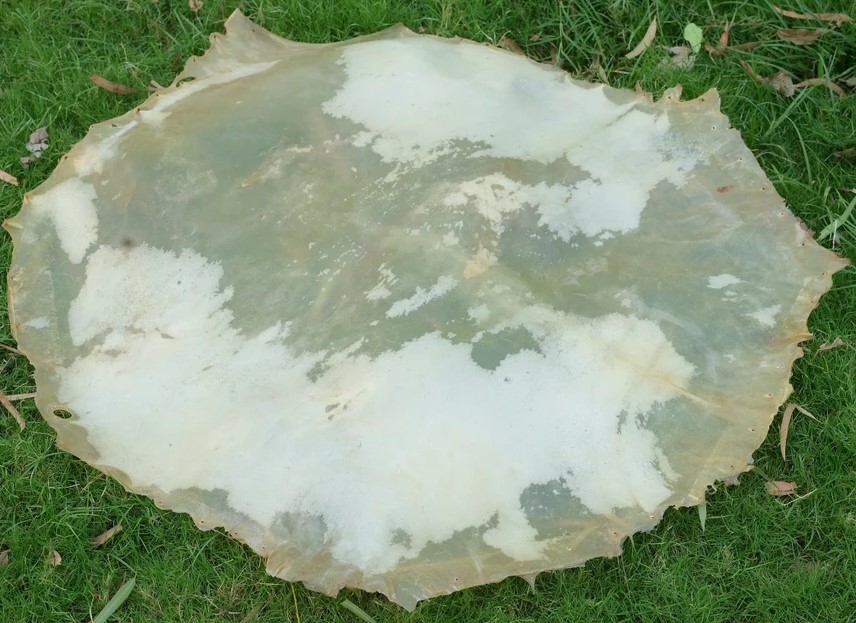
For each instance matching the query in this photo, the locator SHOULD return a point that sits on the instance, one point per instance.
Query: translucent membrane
(411, 314)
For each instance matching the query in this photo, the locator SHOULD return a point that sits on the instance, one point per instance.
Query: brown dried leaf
(105, 536)
(39, 136)
(54, 559)
(195, 6)
(799, 36)
(825, 82)
(804, 226)
(507, 43)
(645, 42)
(8, 178)
(722, 46)
(4, 558)
(779, 487)
(37, 144)
(782, 82)
(113, 87)
(837, 18)
(830, 345)
(681, 57)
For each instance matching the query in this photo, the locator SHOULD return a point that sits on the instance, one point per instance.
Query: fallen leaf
(507, 43)
(38, 143)
(799, 36)
(4, 558)
(780, 81)
(39, 136)
(195, 6)
(779, 487)
(722, 46)
(8, 178)
(599, 71)
(837, 18)
(105, 536)
(804, 226)
(108, 85)
(847, 154)
(694, 36)
(680, 57)
(647, 38)
(825, 82)
(850, 82)
(54, 559)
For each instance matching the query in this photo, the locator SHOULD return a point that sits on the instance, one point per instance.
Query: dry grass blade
(507, 43)
(780, 81)
(824, 81)
(16, 397)
(836, 18)
(799, 36)
(744, 47)
(7, 404)
(109, 85)
(784, 428)
(830, 345)
(805, 412)
(722, 46)
(780, 487)
(105, 536)
(11, 349)
(645, 42)
(8, 178)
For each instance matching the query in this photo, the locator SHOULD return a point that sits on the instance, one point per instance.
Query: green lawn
(760, 558)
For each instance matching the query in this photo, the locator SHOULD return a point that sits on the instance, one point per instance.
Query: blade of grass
(361, 614)
(115, 602)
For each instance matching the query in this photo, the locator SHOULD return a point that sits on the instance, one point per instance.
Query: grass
(760, 558)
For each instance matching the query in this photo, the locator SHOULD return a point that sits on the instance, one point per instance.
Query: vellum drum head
(411, 314)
